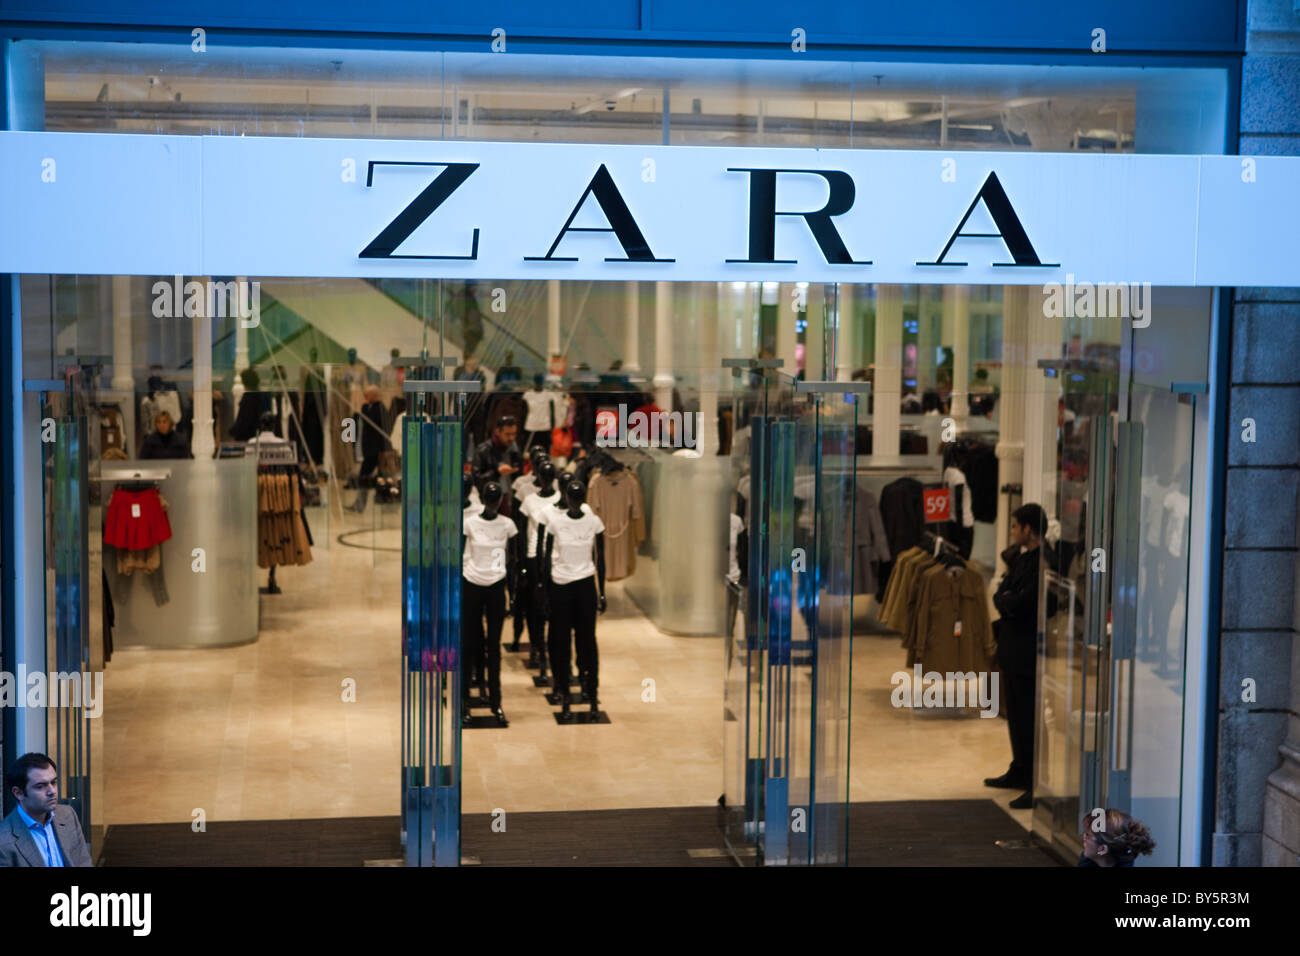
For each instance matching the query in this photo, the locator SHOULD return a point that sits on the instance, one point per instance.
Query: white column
(710, 294)
(201, 442)
(887, 386)
(123, 382)
(1042, 400)
(663, 379)
(1011, 404)
(786, 337)
(956, 308)
(845, 334)
(748, 320)
(815, 347)
(631, 328)
(925, 342)
(552, 318)
(241, 351)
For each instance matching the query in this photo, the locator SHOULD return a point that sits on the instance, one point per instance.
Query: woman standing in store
(164, 441)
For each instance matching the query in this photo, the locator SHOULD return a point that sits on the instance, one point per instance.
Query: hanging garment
(281, 528)
(981, 468)
(902, 513)
(136, 520)
(951, 631)
(870, 544)
(313, 418)
(616, 497)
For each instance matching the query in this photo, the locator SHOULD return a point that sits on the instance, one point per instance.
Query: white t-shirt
(534, 509)
(540, 405)
(733, 559)
(573, 550)
(955, 478)
(484, 560)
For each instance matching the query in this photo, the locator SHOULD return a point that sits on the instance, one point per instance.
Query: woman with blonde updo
(1118, 843)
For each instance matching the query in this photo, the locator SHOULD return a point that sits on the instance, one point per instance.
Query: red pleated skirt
(136, 520)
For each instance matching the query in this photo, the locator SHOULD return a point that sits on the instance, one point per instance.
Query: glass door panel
(431, 657)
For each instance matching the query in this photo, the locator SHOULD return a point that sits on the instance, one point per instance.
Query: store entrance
(771, 517)
(744, 554)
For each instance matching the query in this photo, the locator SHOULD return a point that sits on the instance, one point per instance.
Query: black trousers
(523, 596)
(531, 591)
(1020, 685)
(573, 611)
(477, 601)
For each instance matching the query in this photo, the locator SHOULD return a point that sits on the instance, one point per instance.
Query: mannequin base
(272, 589)
(583, 717)
(485, 721)
(555, 700)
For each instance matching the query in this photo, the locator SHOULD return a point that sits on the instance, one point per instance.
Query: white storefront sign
(96, 203)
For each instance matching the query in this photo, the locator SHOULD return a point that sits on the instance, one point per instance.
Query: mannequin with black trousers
(533, 586)
(490, 552)
(574, 603)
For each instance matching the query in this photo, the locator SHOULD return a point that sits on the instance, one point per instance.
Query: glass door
(1114, 621)
(432, 668)
(73, 590)
(786, 708)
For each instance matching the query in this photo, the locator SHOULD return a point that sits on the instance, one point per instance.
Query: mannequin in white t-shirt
(488, 568)
(532, 589)
(573, 561)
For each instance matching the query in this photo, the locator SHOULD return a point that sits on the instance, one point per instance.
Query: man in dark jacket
(498, 459)
(372, 431)
(1016, 631)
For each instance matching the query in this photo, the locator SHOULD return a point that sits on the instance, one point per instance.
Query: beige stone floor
(262, 732)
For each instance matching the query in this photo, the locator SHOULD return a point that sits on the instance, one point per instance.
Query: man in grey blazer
(40, 831)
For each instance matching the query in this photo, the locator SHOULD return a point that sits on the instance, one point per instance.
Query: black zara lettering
(763, 213)
(383, 246)
(617, 214)
(1010, 231)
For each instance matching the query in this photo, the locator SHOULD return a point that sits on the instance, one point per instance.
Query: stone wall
(1258, 800)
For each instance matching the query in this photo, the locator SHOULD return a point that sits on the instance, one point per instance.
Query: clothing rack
(939, 545)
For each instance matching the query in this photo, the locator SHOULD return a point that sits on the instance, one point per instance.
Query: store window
(395, 94)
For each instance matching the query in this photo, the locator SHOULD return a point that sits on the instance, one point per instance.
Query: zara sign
(264, 206)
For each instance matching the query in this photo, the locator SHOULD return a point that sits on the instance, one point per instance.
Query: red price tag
(937, 503)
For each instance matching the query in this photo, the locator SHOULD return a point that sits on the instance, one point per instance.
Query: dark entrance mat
(898, 833)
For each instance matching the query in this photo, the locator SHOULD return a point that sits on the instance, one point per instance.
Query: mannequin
(314, 408)
(535, 510)
(488, 567)
(576, 574)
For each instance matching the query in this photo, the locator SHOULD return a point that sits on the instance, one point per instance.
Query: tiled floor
(262, 732)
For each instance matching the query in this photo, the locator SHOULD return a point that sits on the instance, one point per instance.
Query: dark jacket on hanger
(1017, 602)
(902, 513)
(981, 468)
